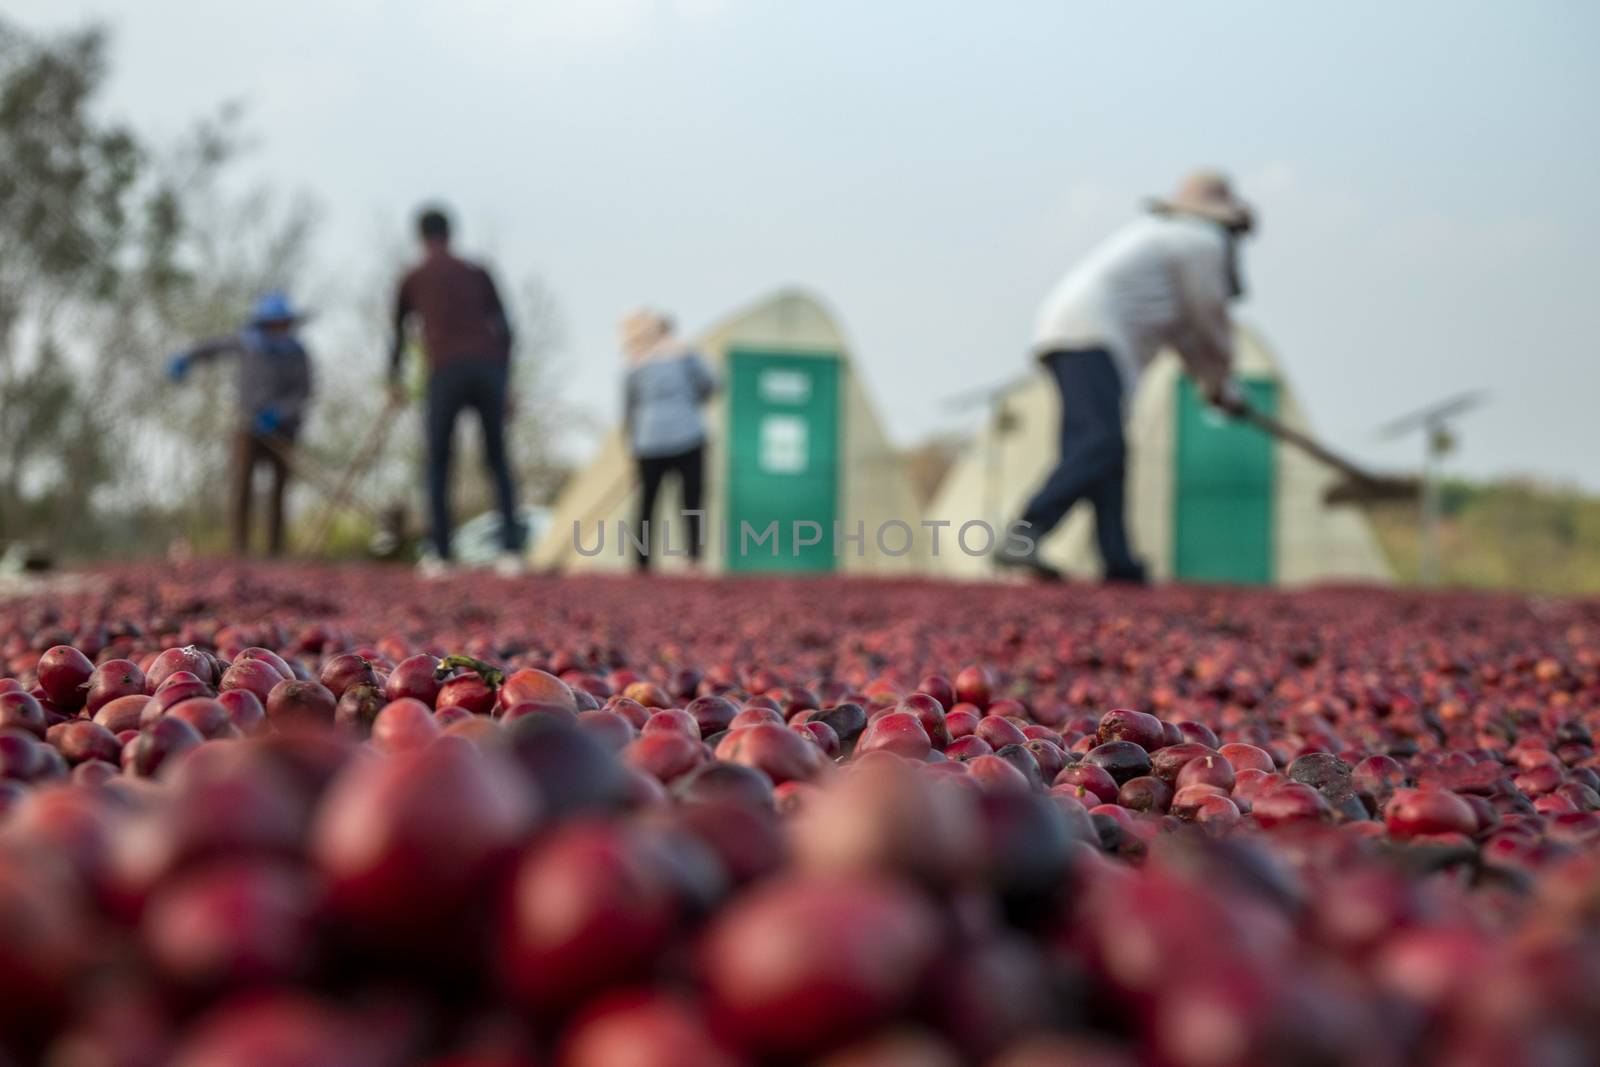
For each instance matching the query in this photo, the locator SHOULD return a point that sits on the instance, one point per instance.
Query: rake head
(1373, 489)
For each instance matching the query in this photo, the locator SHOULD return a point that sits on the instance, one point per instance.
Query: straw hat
(1207, 194)
(640, 330)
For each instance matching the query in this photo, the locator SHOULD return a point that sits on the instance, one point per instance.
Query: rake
(339, 492)
(1360, 486)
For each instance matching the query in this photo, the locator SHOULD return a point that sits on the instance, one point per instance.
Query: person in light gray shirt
(1164, 280)
(666, 385)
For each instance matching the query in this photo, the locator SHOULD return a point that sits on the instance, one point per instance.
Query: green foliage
(65, 188)
(64, 196)
(116, 251)
(91, 225)
(1505, 535)
(113, 252)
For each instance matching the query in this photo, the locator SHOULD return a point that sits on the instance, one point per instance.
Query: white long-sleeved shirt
(1162, 280)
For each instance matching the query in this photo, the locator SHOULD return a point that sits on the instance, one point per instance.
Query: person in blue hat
(275, 386)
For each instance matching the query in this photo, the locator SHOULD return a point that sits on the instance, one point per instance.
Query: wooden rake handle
(1267, 424)
(339, 494)
(1361, 484)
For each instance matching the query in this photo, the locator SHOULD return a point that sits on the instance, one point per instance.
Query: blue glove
(178, 367)
(267, 421)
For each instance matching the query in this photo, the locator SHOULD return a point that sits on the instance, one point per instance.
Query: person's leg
(243, 475)
(489, 397)
(1091, 437)
(1109, 499)
(444, 401)
(279, 489)
(692, 469)
(1100, 382)
(651, 471)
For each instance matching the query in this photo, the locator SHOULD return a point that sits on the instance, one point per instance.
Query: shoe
(431, 568)
(510, 565)
(1018, 559)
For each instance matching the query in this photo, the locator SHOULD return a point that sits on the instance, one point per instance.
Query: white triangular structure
(873, 487)
(992, 481)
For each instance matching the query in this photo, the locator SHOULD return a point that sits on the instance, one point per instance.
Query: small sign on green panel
(783, 461)
(1223, 490)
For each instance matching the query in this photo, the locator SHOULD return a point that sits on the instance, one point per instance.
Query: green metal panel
(1223, 486)
(783, 459)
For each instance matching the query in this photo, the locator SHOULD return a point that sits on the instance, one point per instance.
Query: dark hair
(433, 224)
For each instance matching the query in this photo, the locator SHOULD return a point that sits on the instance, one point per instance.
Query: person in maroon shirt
(467, 340)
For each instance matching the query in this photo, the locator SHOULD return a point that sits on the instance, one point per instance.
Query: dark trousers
(478, 385)
(690, 468)
(1094, 458)
(252, 450)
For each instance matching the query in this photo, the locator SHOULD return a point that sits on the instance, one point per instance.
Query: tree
(75, 221)
(114, 252)
(111, 251)
(538, 417)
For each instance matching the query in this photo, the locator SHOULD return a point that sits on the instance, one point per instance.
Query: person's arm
(299, 398)
(1206, 342)
(179, 365)
(498, 319)
(705, 380)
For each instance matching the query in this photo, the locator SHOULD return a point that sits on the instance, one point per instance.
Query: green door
(1223, 490)
(783, 460)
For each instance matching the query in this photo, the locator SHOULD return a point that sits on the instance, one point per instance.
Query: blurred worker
(666, 384)
(467, 339)
(1164, 280)
(274, 390)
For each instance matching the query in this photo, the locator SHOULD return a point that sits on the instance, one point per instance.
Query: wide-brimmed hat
(641, 329)
(1207, 194)
(274, 307)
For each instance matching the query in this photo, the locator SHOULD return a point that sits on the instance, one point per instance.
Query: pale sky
(1427, 173)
